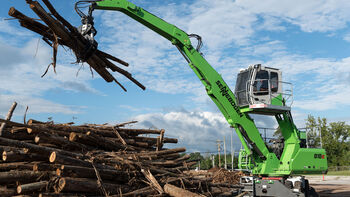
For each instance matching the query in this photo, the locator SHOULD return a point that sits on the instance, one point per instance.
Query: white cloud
(36, 105)
(6, 27)
(221, 23)
(197, 131)
(270, 48)
(27, 65)
(347, 37)
(272, 23)
(20, 79)
(312, 15)
(320, 84)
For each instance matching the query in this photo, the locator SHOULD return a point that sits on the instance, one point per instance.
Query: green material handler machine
(259, 90)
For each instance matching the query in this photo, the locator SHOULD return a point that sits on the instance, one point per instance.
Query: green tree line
(206, 162)
(334, 137)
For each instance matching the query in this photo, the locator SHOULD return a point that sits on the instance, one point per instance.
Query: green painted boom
(266, 163)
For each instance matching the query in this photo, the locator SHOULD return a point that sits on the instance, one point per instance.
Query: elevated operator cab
(260, 90)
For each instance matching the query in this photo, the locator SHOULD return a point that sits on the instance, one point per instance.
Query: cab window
(261, 83)
(274, 81)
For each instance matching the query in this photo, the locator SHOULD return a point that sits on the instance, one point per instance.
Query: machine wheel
(312, 192)
(298, 185)
(307, 188)
(288, 184)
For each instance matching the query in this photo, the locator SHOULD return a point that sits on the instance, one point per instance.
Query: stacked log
(55, 31)
(48, 159)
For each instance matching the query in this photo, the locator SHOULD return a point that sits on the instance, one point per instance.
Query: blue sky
(308, 40)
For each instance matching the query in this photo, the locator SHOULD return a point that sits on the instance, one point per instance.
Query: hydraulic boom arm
(265, 161)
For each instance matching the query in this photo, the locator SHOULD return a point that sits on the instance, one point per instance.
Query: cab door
(264, 85)
(259, 86)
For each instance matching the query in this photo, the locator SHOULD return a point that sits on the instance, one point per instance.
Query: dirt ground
(333, 186)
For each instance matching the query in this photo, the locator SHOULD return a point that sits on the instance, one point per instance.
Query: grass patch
(339, 173)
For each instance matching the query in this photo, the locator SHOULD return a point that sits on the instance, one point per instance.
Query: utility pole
(232, 153)
(213, 160)
(218, 142)
(225, 152)
(321, 136)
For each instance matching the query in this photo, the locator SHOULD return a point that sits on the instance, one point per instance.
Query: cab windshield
(261, 84)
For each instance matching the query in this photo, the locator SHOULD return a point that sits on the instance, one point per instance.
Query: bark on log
(13, 176)
(85, 172)
(18, 130)
(154, 140)
(17, 14)
(37, 129)
(60, 141)
(31, 187)
(18, 136)
(162, 152)
(66, 160)
(17, 156)
(35, 148)
(7, 192)
(44, 167)
(66, 184)
(138, 131)
(16, 166)
(56, 157)
(32, 121)
(108, 144)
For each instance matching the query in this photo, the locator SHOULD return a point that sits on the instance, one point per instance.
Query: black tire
(307, 188)
(312, 192)
(289, 184)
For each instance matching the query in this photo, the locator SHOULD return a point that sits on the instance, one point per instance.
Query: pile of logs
(55, 31)
(46, 159)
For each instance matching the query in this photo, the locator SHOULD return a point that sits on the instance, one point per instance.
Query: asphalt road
(331, 186)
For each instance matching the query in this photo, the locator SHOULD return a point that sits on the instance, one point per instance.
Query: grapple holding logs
(57, 31)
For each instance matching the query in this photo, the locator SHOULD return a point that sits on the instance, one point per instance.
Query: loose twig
(8, 117)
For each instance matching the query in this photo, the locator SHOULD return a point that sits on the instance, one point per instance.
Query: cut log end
(37, 139)
(12, 11)
(72, 136)
(35, 167)
(61, 185)
(58, 172)
(52, 157)
(29, 130)
(4, 156)
(19, 189)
